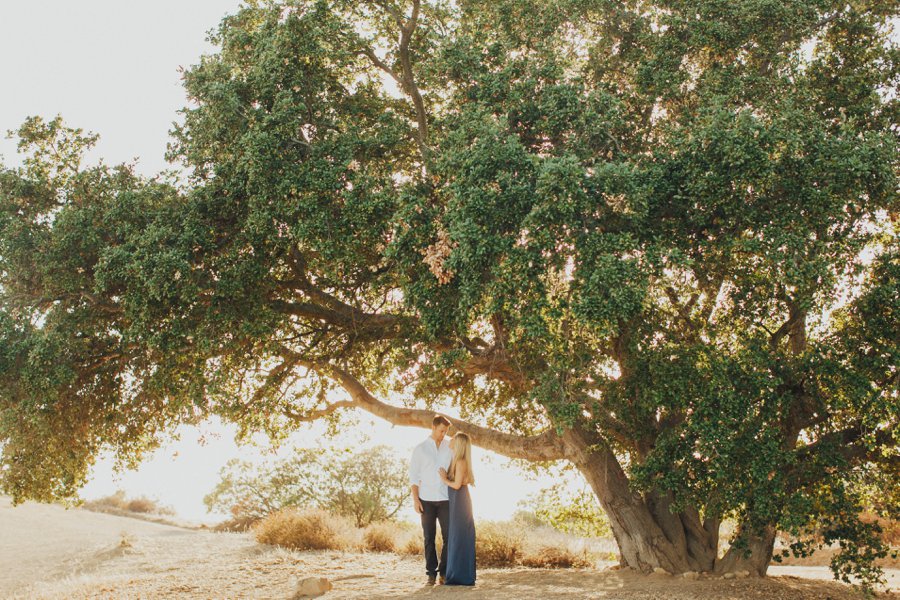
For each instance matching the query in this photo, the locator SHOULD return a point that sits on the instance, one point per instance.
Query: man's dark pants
(432, 511)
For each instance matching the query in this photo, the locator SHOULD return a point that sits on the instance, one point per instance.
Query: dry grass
(890, 535)
(557, 557)
(381, 537)
(145, 506)
(515, 543)
(410, 541)
(118, 502)
(42, 543)
(311, 529)
(413, 546)
(237, 524)
(499, 544)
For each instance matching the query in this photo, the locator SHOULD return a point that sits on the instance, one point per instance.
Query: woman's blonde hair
(462, 451)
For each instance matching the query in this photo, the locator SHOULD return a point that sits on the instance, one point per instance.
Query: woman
(461, 537)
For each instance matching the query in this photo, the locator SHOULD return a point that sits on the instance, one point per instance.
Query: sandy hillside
(49, 552)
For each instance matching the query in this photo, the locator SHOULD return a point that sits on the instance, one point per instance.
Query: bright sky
(183, 471)
(110, 67)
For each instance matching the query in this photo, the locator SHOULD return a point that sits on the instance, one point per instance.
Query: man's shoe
(441, 580)
(431, 579)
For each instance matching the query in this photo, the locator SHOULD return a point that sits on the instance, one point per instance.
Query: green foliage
(668, 228)
(367, 486)
(577, 513)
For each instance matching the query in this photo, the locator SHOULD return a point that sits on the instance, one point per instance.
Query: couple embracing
(440, 473)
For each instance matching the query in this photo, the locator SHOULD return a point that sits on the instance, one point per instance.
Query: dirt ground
(48, 552)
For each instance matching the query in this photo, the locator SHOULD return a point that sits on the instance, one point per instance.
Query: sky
(182, 471)
(111, 67)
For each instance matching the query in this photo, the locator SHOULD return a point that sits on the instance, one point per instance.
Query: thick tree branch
(314, 415)
(795, 326)
(683, 310)
(406, 78)
(546, 446)
(324, 307)
(846, 442)
(356, 322)
(370, 54)
(494, 363)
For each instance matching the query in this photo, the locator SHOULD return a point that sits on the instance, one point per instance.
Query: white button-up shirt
(423, 469)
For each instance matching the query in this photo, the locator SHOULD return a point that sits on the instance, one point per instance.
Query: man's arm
(417, 504)
(414, 480)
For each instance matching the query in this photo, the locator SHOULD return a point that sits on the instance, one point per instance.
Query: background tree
(655, 239)
(577, 513)
(368, 486)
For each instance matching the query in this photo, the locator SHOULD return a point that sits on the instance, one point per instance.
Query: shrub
(310, 529)
(237, 524)
(115, 502)
(556, 557)
(367, 486)
(527, 519)
(119, 503)
(381, 537)
(498, 544)
(577, 513)
(142, 505)
(413, 546)
(412, 542)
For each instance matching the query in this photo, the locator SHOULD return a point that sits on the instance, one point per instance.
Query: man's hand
(417, 504)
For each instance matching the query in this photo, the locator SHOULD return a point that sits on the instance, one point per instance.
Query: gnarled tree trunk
(648, 534)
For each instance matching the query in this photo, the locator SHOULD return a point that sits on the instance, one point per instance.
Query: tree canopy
(655, 239)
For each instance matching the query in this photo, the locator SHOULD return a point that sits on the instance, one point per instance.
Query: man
(429, 493)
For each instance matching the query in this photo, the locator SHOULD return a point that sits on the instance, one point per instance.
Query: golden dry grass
(413, 546)
(506, 544)
(823, 557)
(557, 557)
(58, 554)
(309, 529)
(119, 503)
(381, 537)
(499, 544)
(890, 528)
(237, 524)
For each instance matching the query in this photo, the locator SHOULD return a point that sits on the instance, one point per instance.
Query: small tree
(578, 513)
(367, 486)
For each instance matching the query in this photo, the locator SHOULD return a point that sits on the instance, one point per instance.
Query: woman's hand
(442, 472)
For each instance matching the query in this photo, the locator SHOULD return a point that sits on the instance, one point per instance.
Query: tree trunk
(649, 535)
(754, 559)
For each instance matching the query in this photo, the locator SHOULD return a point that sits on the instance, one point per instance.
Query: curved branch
(410, 85)
(324, 307)
(317, 414)
(385, 326)
(405, 78)
(848, 444)
(546, 446)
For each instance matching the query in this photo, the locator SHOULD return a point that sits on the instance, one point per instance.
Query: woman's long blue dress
(461, 539)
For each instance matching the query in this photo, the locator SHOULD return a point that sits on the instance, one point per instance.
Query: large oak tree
(655, 239)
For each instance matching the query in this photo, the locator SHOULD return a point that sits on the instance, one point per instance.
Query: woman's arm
(459, 476)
